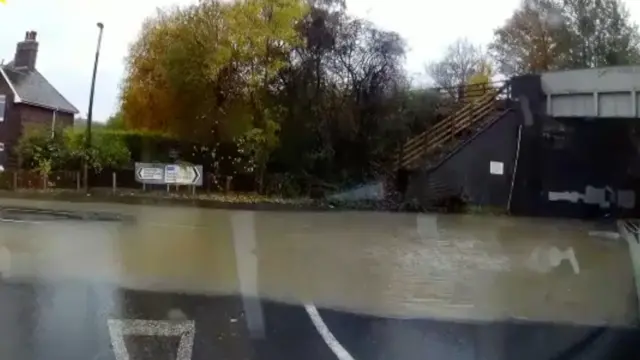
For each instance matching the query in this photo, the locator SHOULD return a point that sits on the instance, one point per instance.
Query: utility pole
(90, 112)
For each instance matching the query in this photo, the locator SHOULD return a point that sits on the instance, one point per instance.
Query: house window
(1, 147)
(2, 107)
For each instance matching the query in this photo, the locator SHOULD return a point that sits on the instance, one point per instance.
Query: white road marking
(613, 235)
(118, 329)
(244, 241)
(5, 261)
(427, 227)
(18, 221)
(544, 259)
(331, 341)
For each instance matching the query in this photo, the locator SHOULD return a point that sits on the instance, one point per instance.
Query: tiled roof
(32, 88)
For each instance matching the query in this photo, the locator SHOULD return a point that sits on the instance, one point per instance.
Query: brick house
(27, 97)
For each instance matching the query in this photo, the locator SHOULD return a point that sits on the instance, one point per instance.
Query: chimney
(27, 52)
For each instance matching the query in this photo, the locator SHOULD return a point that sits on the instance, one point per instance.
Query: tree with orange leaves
(531, 40)
(545, 35)
(202, 72)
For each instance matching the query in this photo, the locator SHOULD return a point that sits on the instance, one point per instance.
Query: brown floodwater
(401, 265)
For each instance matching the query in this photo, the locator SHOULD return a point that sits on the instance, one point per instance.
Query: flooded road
(397, 265)
(394, 280)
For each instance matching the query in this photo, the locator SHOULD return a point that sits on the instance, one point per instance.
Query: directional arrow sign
(194, 175)
(175, 174)
(149, 173)
(183, 174)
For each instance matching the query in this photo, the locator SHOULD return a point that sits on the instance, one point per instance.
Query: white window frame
(3, 107)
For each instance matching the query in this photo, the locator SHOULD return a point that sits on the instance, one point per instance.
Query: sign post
(168, 174)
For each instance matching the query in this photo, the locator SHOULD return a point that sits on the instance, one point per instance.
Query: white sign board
(148, 173)
(151, 174)
(175, 174)
(170, 174)
(182, 174)
(496, 168)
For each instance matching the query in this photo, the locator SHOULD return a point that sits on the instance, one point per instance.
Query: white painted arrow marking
(544, 259)
(118, 329)
(338, 350)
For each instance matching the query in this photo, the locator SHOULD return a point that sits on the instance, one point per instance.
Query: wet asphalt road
(69, 320)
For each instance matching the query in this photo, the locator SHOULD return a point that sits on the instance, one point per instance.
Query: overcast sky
(67, 34)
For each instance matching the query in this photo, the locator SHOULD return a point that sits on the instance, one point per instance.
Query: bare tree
(455, 68)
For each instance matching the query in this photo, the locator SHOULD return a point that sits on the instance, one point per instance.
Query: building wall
(39, 116)
(10, 118)
(469, 170)
(588, 81)
(577, 155)
(31, 115)
(572, 166)
(609, 92)
(586, 168)
(17, 116)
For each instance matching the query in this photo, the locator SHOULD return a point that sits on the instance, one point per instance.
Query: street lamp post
(90, 112)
